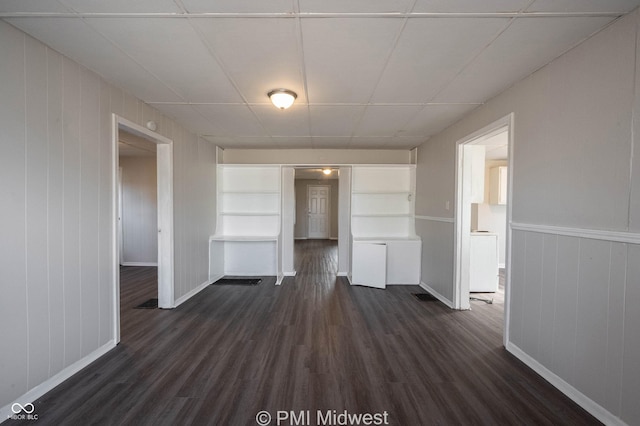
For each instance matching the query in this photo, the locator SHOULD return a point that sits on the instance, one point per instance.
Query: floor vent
(238, 281)
(149, 304)
(424, 297)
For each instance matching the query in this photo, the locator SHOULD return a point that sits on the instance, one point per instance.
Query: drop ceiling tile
(32, 6)
(433, 119)
(238, 6)
(250, 143)
(527, 45)
(484, 6)
(339, 120)
(172, 51)
(618, 6)
(76, 40)
(122, 6)
(292, 142)
(429, 53)
(331, 142)
(190, 118)
(385, 120)
(345, 57)
(232, 120)
(406, 142)
(259, 54)
(293, 121)
(354, 6)
(368, 142)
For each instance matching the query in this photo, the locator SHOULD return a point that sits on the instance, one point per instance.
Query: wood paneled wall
(56, 220)
(574, 288)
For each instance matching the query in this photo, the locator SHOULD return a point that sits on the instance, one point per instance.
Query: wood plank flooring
(313, 343)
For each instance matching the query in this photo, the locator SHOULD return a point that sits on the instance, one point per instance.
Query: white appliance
(483, 268)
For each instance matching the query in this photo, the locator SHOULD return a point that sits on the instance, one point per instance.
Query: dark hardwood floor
(313, 343)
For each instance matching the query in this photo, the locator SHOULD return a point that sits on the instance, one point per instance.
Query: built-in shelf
(249, 214)
(248, 221)
(382, 214)
(380, 192)
(250, 192)
(243, 238)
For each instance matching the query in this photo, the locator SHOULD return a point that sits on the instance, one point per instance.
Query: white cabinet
(498, 185)
(382, 215)
(483, 262)
(369, 263)
(474, 166)
(403, 261)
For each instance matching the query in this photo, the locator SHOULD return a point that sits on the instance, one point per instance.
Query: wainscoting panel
(437, 253)
(571, 297)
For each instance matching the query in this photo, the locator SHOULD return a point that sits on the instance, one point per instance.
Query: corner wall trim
(436, 219)
(574, 394)
(53, 381)
(437, 295)
(594, 234)
(195, 291)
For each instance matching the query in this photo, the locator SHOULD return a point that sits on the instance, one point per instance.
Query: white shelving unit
(383, 213)
(248, 222)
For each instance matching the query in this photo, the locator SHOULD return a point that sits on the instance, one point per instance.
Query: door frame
(344, 216)
(463, 216)
(164, 158)
(328, 233)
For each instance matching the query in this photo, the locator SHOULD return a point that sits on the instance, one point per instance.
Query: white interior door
(318, 197)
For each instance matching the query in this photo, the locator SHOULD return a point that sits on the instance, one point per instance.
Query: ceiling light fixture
(282, 98)
(327, 171)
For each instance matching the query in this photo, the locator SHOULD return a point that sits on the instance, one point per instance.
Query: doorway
(483, 213)
(164, 224)
(296, 180)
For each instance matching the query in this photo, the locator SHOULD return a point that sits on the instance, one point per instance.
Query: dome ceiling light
(282, 98)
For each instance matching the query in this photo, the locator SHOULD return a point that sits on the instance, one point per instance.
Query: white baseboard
(342, 274)
(501, 266)
(279, 279)
(300, 238)
(195, 291)
(592, 407)
(53, 381)
(139, 264)
(334, 238)
(289, 274)
(437, 295)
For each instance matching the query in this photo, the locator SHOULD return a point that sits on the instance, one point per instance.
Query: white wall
(301, 229)
(575, 299)
(56, 218)
(139, 210)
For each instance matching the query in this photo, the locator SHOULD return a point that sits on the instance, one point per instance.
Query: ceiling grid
(368, 73)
